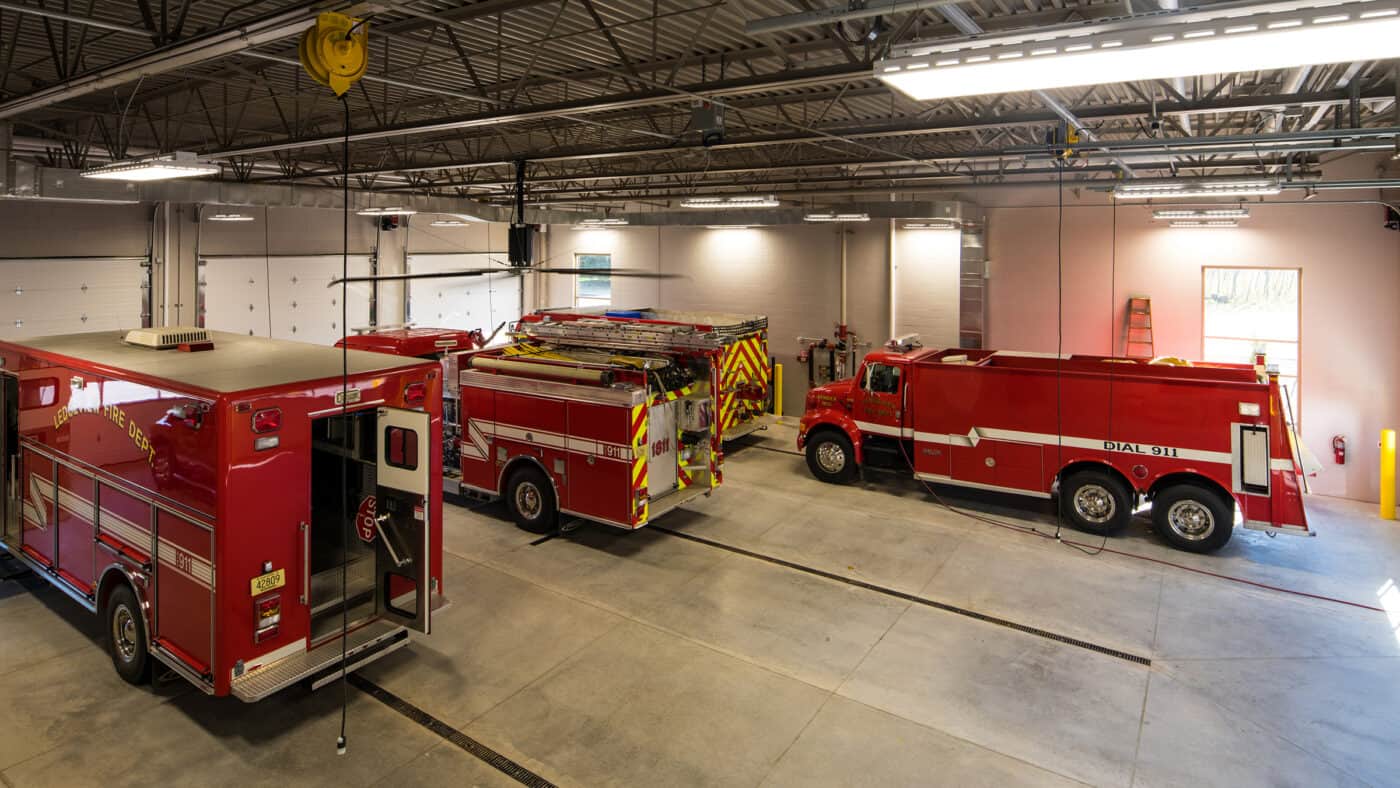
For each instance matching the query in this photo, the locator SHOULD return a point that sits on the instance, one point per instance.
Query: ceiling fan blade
(511, 271)
(432, 275)
(624, 272)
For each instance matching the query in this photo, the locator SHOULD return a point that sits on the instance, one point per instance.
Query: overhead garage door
(482, 302)
(67, 295)
(282, 296)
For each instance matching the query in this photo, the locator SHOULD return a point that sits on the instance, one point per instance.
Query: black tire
(126, 636)
(823, 457)
(1096, 501)
(530, 500)
(1193, 517)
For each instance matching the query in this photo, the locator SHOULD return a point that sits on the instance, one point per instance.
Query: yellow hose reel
(335, 52)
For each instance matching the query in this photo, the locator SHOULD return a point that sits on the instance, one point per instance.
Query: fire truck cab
(196, 490)
(1198, 442)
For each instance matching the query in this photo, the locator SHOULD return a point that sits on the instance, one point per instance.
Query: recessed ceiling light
(154, 168)
(596, 224)
(1239, 212)
(832, 216)
(1205, 223)
(1181, 188)
(737, 201)
(1161, 46)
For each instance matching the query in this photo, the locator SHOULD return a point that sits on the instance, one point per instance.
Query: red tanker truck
(1198, 442)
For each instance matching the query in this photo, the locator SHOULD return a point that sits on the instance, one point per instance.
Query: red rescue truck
(1101, 433)
(605, 420)
(187, 486)
(746, 371)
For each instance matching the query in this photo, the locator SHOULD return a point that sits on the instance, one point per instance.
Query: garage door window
(593, 290)
(1254, 310)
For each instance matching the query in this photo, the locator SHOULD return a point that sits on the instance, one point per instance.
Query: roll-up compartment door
(1252, 459)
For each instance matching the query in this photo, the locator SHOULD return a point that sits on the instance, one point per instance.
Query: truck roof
(237, 362)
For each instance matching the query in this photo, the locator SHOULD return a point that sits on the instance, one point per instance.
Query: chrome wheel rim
(830, 457)
(528, 500)
(124, 634)
(1094, 503)
(1191, 520)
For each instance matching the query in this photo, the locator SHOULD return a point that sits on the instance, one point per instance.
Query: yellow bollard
(1387, 474)
(778, 390)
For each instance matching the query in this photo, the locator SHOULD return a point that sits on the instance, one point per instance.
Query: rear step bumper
(322, 664)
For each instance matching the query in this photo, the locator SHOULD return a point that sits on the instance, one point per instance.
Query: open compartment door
(402, 519)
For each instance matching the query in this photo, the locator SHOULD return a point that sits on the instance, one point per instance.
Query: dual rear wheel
(1189, 515)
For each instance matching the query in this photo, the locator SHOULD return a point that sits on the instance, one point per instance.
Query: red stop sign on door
(364, 519)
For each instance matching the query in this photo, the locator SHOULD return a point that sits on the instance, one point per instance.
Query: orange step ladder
(1139, 330)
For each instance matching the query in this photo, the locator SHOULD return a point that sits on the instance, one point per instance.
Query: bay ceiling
(609, 100)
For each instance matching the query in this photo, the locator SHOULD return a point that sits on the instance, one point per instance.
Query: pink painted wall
(1350, 286)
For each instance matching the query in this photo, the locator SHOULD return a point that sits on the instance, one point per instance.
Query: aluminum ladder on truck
(1138, 342)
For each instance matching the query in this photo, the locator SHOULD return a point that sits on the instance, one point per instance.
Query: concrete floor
(608, 658)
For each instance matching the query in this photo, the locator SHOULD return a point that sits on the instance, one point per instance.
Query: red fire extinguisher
(1339, 449)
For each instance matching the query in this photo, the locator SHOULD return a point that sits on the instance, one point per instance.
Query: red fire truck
(746, 371)
(1100, 433)
(187, 486)
(613, 421)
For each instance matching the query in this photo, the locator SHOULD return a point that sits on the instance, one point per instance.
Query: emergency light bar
(1177, 188)
(1216, 40)
(155, 168)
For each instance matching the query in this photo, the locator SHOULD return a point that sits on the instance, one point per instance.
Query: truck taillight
(267, 616)
(269, 420)
(415, 393)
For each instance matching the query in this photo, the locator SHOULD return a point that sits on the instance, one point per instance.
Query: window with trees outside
(590, 290)
(1255, 310)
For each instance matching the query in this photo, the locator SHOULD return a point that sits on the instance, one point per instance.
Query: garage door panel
(468, 303)
(283, 297)
(42, 296)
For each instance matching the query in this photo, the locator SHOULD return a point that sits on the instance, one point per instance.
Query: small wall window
(401, 448)
(593, 290)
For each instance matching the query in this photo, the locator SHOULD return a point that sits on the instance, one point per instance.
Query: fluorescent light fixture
(1205, 223)
(449, 223)
(936, 224)
(229, 217)
(385, 212)
(1180, 188)
(599, 224)
(729, 227)
(154, 168)
(1239, 212)
(1207, 41)
(738, 201)
(832, 216)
